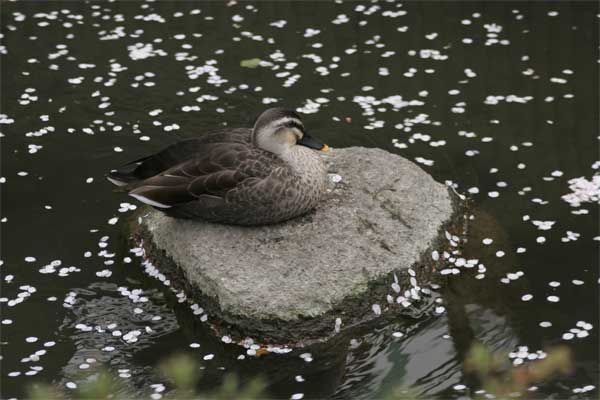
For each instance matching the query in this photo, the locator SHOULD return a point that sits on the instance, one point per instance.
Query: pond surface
(499, 99)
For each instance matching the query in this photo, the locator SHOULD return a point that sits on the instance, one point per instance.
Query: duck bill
(312, 143)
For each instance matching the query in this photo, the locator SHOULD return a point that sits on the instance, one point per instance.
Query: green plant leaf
(250, 63)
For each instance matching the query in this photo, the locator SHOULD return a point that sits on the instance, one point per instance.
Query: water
(70, 85)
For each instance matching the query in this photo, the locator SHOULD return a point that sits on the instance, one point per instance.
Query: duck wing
(209, 176)
(175, 154)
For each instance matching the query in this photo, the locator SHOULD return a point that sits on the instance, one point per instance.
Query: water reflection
(430, 357)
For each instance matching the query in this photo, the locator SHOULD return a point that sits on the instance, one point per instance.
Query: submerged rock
(290, 282)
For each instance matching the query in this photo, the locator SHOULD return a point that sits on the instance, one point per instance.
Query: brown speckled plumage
(225, 177)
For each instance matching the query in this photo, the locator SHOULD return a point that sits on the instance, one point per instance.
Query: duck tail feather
(119, 179)
(126, 175)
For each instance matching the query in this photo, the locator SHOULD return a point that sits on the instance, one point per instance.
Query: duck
(270, 173)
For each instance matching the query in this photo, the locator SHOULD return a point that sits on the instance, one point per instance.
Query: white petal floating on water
(226, 339)
(376, 309)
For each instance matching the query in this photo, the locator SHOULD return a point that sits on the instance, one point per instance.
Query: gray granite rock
(289, 282)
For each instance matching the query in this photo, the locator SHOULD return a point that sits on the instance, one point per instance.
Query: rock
(289, 282)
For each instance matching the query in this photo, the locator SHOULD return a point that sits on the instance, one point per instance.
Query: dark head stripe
(273, 115)
(292, 124)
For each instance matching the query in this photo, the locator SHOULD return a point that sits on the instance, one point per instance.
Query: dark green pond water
(499, 99)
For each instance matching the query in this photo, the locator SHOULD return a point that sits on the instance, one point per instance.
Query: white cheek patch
(148, 201)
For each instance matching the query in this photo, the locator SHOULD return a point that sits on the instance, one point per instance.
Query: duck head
(278, 130)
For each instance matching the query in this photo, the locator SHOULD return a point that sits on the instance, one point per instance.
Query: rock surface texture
(289, 282)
